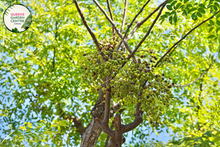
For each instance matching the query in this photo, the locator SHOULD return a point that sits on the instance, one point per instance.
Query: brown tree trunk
(92, 131)
(91, 134)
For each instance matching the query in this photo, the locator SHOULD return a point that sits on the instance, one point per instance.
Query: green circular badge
(17, 18)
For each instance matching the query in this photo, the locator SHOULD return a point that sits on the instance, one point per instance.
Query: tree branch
(87, 26)
(107, 139)
(124, 16)
(129, 26)
(149, 30)
(107, 105)
(143, 21)
(105, 128)
(110, 11)
(131, 53)
(113, 24)
(54, 50)
(198, 105)
(104, 124)
(185, 37)
(77, 122)
(138, 119)
(118, 130)
(196, 78)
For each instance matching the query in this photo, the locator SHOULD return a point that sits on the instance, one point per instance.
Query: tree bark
(91, 134)
(92, 131)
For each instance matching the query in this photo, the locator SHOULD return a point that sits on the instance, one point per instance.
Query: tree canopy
(87, 72)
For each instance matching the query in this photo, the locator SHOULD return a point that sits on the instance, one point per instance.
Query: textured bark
(91, 134)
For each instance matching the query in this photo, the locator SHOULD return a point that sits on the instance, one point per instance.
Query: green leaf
(173, 3)
(215, 84)
(175, 18)
(211, 22)
(217, 30)
(210, 29)
(218, 22)
(194, 16)
(171, 19)
(185, 1)
(169, 7)
(208, 133)
(201, 10)
(199, 14)
(198, 138)
(177, 6)
(192, 10)
(211, 36)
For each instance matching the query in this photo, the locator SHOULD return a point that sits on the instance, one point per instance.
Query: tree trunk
(91, 134)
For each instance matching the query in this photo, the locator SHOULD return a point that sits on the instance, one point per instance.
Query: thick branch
(118, 130)
(138, 119)
(107, 105)
(87, 26)
(104, 125)
(196, 78)
(129, 26)
(107, 139)
(77, 122)
(143, 21)
(105, 128)
(124, 16)
(110, 11)
(185, 37)
(149, 30)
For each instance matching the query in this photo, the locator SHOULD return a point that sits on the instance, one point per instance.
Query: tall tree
(86, 73)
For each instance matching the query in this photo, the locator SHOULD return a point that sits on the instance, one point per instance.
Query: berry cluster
(135, 82)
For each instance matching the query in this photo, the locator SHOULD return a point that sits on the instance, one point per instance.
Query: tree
(75, 78)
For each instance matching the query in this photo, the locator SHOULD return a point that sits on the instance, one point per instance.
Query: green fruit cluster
(135, 82)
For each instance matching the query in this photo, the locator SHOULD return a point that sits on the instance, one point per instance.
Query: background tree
(59, 87)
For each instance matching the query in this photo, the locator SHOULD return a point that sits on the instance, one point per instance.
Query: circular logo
(17, 18)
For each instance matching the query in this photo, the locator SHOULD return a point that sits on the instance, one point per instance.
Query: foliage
(52, 68)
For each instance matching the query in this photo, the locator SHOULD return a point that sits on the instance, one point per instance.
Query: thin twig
(113, 24)
(129, 26)
(196, 78)
(9, 39)
(54, 50)
(110, 11)
(124, 16)
(7, 137)
(143, 21)
(149, 30)
(198, 105)
(185, 37)
(54, 56)
(87, 26)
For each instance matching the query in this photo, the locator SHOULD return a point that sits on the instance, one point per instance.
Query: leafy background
(33, 92)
